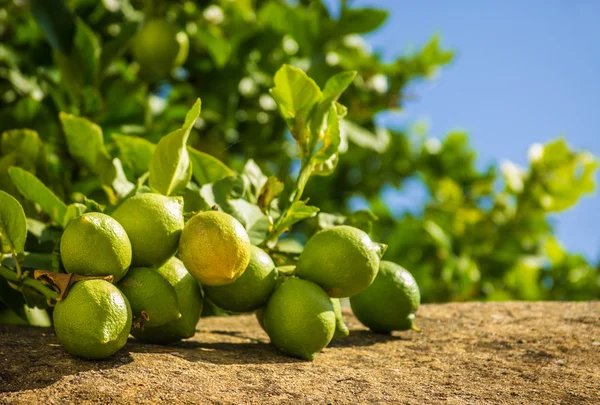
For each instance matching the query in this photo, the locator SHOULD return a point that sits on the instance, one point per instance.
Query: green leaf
(193, 200)
(360, 20)
(26, 143)
(296, 213)
(296, 94)
(206, 168)
(85, 142)
(13, 224)
(79, 68)
(218, 47)
(336, 85)
(56, 21)
(378, 142)
(170, 168)
(254, 180)
(73, 211)
(35, 191)
(327, 157)
(334, 88)
(135, 152)
(564, 176)
(226, 195)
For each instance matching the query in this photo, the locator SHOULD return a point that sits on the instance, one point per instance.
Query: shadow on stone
(363, 338)
(254, 352)
(33, 358)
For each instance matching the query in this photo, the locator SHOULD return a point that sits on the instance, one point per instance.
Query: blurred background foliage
(481, 235)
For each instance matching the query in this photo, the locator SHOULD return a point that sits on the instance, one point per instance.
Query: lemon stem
(380, 248)
(29, 282)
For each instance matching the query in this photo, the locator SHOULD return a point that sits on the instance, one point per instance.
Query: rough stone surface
(474, 353)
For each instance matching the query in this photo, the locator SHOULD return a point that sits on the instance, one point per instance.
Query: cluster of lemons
(158, 297)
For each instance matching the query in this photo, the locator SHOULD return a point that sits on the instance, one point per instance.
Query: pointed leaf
(296, 213)
(135, 152)
(26, 143)
(13, 224)
(296, 95)
(73, 211)
(327, 157)
(84, 141)
(206, 168)
(170, 168)
(34, 190)
(360, 20)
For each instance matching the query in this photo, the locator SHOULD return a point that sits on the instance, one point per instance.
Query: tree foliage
(82, 124)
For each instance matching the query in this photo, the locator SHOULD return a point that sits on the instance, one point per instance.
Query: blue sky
(524, 72)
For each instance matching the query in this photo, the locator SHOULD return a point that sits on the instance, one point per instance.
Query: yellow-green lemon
(94, 319)
(391, 302)
(189, 302)
(251, 290)
(94, 244)
(151, 296)
(299, 318)
(343, 260)
(153, 223)
(158, 48)
(215, 248)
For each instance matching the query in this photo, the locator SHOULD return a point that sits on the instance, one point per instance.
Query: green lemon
(153, 223)
(391, 302)
(215, 248)
(341, 330)
(94, 319)
(252, 290)
(299, 318)
(94, 244)
(343, 260)
(151, 296)
(159, 48)
(189, 300)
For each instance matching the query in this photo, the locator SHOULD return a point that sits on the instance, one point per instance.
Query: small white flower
(433, 146)
(247, 87)
(379, 83)
(290, 46)
(37, 95)
(157, 104)
(332, 59)
(213, 14)
(267, 103)
(111, 5)
(355, 41)
(536, 152)
(513, 175)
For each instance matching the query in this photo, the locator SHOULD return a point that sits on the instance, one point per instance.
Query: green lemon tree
(83, 118)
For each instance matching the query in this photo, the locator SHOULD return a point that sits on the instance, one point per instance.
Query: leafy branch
(313, 117)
